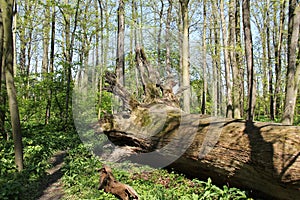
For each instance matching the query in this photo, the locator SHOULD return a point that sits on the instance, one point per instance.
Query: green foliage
(40, 142)
(81, 181)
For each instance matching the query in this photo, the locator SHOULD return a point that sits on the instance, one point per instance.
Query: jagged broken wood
(109, 183)
(260, 157)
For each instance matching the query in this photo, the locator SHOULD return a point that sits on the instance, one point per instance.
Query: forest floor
(53, 186)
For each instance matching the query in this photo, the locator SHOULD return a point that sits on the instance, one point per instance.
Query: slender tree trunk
(159, 36)
(239, 57)
(271, 92)
(7, 62)
(235, 70)
(293, 69)
(70, 37)
(278, 58)
(51, 65)
(100, 82)
(120, 62)
(249, 59)
(46, 30)
(185, 55)
(2, 83)
(213, 44)
(203, 107)
(229, 110)
(168, 26)
(216, 60)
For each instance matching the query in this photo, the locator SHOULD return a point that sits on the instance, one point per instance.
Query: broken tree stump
(109, 183)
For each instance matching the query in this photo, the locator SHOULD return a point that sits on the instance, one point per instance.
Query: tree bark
(167, 39)
(260, 157)
(2, 83)
(293, 70)
(235, 70)
(249, 59)
(185, 54)
(7, 62)
(69, 43)
(203, 106)
(229, 109)
(46, 30)
(239, 57)
(120, 62)
(278, 58)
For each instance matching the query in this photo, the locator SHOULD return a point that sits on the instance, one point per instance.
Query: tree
(120, 62)
(51, 65)
(185, 54)
(249, 59)
(278, 44)
(2, 83)
(293, 68)
(203, 107)
(236, 79)
(69, 50)
(7, 62)
(168, 26)
(229, 109)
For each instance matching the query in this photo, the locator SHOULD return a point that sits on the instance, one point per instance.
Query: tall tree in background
(159, 35)
(229, 110)
(120, 43)
(120, 62)
(236, 79)
(203, 107)
(2, 82)
(68, 51)
(278, 44)
(239, 57)
(7, 62)
(293, 68)
(51, 65)
(46, 30)
(249, 59)
(185, 54)
(167, 39)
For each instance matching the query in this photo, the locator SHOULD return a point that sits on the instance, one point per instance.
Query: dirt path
(53, 187)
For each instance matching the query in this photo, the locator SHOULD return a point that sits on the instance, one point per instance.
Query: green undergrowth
(39, 143)
(81, 178)
(81, 181)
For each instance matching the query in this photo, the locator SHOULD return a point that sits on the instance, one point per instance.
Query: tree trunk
(185, 54)
(278, 59)
(120, 62)
(229, 109)
(261, 157)
(159, 36)
(167, 39)
(249, 59)
(270, 67)
(203, 106)
(2, 84)
(235, 70)
(69, 42)
(293, 69)
(7, 62)
(239, 57)
(46, 30)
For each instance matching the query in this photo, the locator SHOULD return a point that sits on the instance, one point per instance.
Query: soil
(53, 186)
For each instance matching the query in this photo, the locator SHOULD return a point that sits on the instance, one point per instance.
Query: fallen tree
(259, 157)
